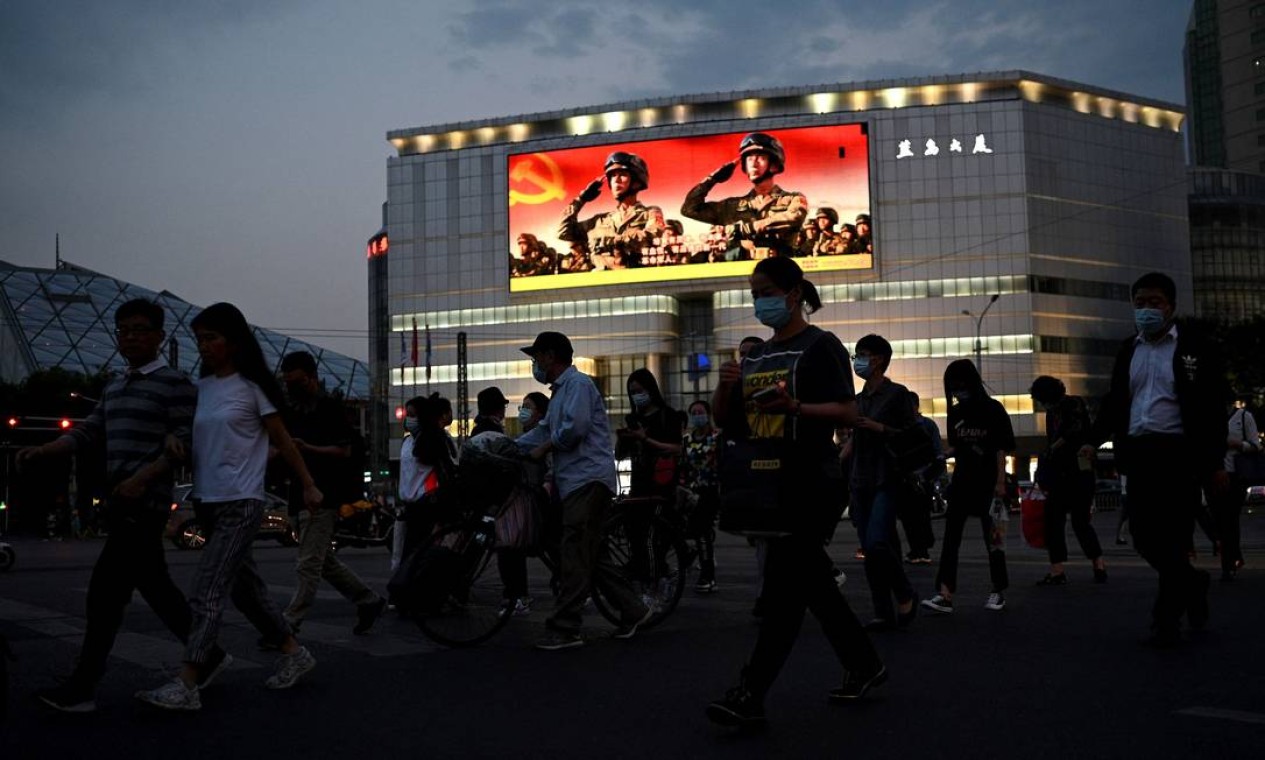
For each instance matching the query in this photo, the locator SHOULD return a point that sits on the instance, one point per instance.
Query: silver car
(185, 532)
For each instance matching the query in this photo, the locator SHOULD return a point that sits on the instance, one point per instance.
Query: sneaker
(290, 668)
(1054, 579)
(557, 640)
(995, 601)
(522, 606)
(939, 603)
(367, 615)
(70, 697)
(923, 560)
(173, 695)
(629, 630)
(705, 587)
(854, 687)
(214, 667)
(739, 709)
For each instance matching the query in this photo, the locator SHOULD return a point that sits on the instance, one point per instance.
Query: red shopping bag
(1032, 517)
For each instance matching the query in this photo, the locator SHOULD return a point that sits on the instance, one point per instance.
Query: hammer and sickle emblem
(539, 172)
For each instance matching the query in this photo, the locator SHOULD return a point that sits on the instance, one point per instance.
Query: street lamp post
(979, 322)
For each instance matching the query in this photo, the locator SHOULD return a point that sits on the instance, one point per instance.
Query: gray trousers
(582, 564)
(317, 561)
(227, 569)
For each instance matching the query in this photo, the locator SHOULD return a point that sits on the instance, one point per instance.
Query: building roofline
(1011, 77)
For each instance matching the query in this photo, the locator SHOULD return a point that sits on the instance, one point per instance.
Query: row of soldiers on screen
(820, 238)
(766, 221)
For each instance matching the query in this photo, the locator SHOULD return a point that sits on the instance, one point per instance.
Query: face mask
(861, 366)
(524, 416)
(772, 311)
(641, 400)
(699, 420)
(411, 425)
(1149, 321)
(538, 372)
(962, 395)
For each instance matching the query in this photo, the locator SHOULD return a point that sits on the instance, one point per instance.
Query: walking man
(320, 431)
(576, 430)
(139, 410)
(1164, 413)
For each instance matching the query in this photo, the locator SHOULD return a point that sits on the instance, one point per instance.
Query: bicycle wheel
(459, 601)
(649, 553)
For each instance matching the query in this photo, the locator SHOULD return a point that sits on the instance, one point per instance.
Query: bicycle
(463, 602)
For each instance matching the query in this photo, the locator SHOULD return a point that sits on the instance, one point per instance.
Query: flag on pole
(403, 350)
(430, 353)
(413, 355)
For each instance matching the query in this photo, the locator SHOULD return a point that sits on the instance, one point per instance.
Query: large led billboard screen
(687, 207)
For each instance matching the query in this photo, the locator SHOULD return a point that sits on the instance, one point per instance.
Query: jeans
(961, 508)
(132, 559)
(227, 568)
(583, 563)
(874, 514)
(317, 561)
(1071, 496)
(798, 578)
(1163, 499)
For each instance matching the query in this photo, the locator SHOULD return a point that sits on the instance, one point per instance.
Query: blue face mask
(1149, 321)
(411, 425)
(699, 420)
(538, 372)
(524, 415)
(861, 366)
(772, 311)
(641, 400)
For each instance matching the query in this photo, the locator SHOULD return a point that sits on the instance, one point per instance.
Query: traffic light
(64, 424)
(13, 422)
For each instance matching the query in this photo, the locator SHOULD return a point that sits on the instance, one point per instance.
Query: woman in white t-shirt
(416, 477)
(236, 419)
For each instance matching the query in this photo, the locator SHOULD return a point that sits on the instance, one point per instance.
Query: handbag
(1032, 517)
(752, 473)
(518, 524)
(911, 449)
(665, 470)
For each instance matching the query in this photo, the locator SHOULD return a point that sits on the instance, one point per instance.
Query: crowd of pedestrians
(786, 442)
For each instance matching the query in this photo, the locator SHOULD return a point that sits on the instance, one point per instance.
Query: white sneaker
(173, 695)
(522, 606)
(995, 602)
(290, 668)
(939, 604)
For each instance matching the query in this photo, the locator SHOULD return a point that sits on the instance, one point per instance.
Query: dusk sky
(235, 150)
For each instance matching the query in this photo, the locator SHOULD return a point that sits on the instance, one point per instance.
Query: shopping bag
(1032, 517)
(518, 525)
(752, 478)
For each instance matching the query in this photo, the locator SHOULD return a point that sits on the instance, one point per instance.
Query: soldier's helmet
(863, 218)
(631, 163)
(529, 239)
(760, 142)
(829, 213)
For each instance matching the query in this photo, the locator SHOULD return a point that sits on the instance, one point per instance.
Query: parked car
(185, 532)
(1255, 498)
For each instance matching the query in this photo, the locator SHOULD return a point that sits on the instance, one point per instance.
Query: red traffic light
(13, 422)
(399, 413)
(64, 424)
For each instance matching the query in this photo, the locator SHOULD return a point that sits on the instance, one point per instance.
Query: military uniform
(617, 235)
(783, 211)
(829, 243)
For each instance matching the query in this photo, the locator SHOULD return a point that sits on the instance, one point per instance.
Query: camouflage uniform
(783, 211)
(621, 233)
(829, 243)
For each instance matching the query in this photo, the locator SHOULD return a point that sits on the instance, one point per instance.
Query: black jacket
(1202, 392)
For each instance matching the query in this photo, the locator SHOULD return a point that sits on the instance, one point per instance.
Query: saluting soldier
(764, 222)
(829, 242)
(616, 238)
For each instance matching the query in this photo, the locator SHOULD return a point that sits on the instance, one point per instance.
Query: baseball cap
(491, 399)
(556, 342)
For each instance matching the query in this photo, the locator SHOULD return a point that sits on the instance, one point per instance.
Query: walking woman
(699, 476)
(791, 393)
(980, 436)
(1067, 479)
(651, 438)
(877, 487)
(237, 417)
(512, 563)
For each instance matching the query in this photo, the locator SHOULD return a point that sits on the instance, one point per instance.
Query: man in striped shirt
(139, 411)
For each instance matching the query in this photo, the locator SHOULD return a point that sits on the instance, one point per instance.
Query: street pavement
(1059, 673)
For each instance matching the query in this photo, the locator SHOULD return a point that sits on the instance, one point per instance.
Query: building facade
(1224, 59)
(1051, 195)
(1227, 243)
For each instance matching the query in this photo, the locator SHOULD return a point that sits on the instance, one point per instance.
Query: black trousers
(914, 510)
(1163, 499)
(132, 559)
(1072, 496)
(1227, 509)
(798, 579)
(961, 508)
